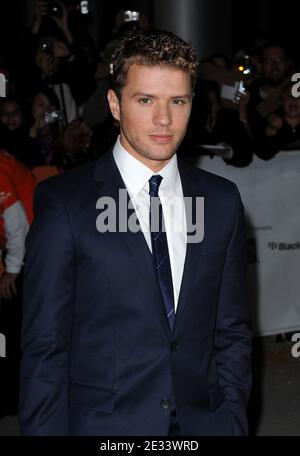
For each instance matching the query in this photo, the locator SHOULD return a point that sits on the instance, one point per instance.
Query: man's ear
(114, 104)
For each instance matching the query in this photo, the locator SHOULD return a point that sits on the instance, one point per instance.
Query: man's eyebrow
(183, 96)
(149, 95)
(143, 94)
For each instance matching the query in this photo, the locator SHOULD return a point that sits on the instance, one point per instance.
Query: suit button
(174, 346)
(165, 404)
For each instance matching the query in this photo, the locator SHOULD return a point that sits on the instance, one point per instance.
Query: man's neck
(267, 88)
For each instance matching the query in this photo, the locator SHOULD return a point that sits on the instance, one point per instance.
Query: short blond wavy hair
(151, 48)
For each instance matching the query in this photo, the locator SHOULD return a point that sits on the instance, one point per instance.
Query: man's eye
(144, 100)
(178, 101)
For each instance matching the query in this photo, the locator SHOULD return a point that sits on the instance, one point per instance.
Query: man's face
(153, 112)
(47, 64)
(274, 65)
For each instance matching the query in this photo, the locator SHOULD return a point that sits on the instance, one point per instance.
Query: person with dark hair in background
(46, 125)
(75, 146)
(212, 124)
(59, 59)
(14, 136)
(282, 128)
(142, 328)
(274, 65)
(11, 115)
(46, 54)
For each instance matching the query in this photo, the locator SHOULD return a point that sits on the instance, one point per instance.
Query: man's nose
(162, 115)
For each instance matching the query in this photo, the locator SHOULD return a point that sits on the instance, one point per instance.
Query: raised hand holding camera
(40, 11)
(59, 13)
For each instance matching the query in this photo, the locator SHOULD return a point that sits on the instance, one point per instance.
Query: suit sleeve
(48, 301)
(233, 337)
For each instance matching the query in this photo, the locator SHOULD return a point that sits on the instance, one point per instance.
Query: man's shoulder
(71, 180)
(208, 181)
(81, 178)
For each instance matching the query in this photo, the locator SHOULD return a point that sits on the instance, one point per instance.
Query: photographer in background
(281, 128)
(56, 16)
(214, 125)
(48, 59)
(274, 66)
(46, 126)
(71, 61)
(95, 110)
(44, 64)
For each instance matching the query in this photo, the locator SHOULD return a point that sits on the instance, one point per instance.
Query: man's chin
(163, 156)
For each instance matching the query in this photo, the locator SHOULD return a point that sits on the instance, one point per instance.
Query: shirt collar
(135, 174)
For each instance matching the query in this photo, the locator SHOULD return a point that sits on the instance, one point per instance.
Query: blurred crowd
(55, 117)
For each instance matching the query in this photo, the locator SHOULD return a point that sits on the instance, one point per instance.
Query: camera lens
(46, 46)
(56, 10)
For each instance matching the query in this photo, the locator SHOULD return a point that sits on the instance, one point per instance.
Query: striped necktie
(160, 250)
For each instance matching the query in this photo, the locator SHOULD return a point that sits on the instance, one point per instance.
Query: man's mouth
(161, 139)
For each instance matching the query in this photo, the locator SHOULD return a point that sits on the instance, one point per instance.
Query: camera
(245, 67)
(52, 117)
(131, 16)
(84, 7)
(46, 45)
(55, 9)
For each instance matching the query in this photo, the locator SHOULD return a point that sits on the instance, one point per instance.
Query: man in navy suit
(137, 331)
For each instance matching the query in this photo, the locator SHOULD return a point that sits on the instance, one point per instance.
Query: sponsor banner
(270, 191)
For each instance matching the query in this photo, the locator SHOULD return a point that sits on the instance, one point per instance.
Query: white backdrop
(270, 191)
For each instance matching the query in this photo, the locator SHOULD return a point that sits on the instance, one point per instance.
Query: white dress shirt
(136, 178)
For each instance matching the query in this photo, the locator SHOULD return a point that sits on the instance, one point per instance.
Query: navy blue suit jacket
(98, 354)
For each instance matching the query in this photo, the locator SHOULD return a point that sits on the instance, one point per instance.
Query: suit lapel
(110, 180)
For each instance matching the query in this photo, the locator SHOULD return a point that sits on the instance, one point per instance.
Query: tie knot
(154, 183)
